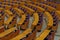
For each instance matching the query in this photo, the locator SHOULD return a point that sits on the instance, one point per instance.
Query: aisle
(57, 37)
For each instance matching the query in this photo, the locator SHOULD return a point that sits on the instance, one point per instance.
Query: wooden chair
(6, 32)
(11, 35)
(2, 29)
(2, 15)
(43, 35)
(31, 36)
(22, 35)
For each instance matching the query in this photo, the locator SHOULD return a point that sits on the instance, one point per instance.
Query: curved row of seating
(25, 10)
